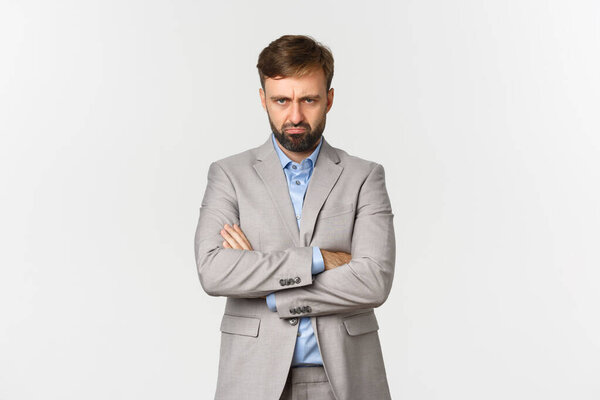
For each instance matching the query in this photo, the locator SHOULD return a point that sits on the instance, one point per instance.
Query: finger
(233, 238)
(229, 242)
(347, 257)
(241, 233)
(237, 237)
(234, 244)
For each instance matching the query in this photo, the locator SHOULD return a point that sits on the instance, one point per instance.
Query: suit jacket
(346, 208)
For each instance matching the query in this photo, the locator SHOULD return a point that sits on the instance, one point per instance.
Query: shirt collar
(285, 160)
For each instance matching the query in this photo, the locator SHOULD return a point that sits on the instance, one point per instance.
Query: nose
(296, 115)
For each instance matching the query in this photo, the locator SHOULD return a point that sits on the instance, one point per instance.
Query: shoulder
(240, 160)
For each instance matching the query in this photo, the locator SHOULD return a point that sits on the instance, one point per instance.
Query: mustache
(292, 126)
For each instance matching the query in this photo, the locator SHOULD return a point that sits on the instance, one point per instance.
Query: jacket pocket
(332, 210)
(238, 325)
(361, 323)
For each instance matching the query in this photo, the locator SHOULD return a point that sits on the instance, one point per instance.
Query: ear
(263, 100)
(329, 99)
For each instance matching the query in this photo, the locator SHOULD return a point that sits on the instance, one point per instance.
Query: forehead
(311, 83)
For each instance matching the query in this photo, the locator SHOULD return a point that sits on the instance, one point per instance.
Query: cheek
(316, 117)
(278, 121)
(275, 117)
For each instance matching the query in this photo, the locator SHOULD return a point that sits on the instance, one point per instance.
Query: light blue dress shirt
(298, 176)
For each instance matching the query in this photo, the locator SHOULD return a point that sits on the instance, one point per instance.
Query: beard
(299, 142)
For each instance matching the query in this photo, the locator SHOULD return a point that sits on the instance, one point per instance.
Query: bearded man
(298, 235)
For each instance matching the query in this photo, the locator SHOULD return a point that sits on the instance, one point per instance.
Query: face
(296, 107)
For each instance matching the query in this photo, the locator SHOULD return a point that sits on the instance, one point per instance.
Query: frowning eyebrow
(310, 96)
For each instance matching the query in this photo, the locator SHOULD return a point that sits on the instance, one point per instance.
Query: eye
(280, 101)
(309, 101)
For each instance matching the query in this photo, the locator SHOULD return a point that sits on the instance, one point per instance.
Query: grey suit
(346, 208)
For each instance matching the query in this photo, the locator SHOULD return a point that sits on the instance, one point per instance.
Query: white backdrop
(483, 113)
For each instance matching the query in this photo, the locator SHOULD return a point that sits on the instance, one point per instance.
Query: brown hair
(294, 55)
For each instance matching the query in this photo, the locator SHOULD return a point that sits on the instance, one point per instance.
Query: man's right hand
(334, 259)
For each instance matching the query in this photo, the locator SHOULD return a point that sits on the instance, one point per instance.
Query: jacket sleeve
(240, 273)
(366, 280)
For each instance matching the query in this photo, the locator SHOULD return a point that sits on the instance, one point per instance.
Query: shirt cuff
(318, 265)
(271, 302)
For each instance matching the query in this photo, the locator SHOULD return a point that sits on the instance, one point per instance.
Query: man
(299, 236)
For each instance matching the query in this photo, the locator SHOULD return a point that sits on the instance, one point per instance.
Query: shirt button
(294, 167)
(297, 217)
(297, 182)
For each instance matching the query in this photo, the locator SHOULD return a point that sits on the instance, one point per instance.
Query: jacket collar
(325, 174)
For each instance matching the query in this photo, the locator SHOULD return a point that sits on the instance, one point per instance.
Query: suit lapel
(325, 174)
(269, 169)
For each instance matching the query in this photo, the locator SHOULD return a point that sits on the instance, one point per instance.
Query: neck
(297, 157)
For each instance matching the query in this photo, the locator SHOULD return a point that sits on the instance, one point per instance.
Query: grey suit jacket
(346, 208)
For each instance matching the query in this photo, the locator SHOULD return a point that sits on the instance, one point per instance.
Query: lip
(295, 130)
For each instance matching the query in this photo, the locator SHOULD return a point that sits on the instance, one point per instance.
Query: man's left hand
(235, 238)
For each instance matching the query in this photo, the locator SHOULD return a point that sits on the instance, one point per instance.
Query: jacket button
(304, 309)
(292, 311)
(293, 321)
(308, 309)
(290, 281)
(297, 280)
(282, 282)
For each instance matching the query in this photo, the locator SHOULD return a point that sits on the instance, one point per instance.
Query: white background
(485, 115)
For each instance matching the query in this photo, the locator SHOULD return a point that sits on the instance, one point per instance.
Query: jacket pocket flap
(361, 323)
(332, 210)
(247, 326)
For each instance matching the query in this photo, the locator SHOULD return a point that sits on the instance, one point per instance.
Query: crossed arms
(232, 268)
(236, 239)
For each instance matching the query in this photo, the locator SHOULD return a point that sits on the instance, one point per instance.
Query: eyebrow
(310, 96)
